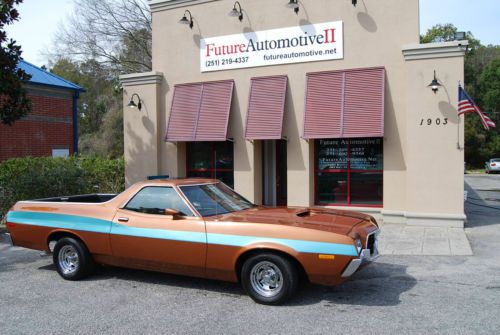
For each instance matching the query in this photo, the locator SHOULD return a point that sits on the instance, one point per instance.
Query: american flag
(467, 105)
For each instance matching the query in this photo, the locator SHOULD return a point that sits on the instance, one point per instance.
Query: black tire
(278, 270)
(72, 259)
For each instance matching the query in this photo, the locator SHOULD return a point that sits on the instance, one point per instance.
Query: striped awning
(265, 108)
(345, 104)
(200, 112)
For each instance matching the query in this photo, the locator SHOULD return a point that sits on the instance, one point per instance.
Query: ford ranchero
(201, 228)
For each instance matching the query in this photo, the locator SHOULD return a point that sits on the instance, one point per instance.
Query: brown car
(197, 227)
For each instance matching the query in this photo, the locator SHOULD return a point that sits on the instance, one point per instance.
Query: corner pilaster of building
(141, 127)
(435, 135)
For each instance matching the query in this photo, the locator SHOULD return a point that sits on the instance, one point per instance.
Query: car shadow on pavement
(22, 256)
(482, 207)
(379, 284)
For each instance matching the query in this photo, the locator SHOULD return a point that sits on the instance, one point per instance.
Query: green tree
(482, 82)
(14, 103)
(445, 33)
(100, 119)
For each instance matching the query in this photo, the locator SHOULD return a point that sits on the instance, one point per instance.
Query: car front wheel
(269, 279)
(72, 259)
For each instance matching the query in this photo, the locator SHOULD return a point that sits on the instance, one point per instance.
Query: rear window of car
(495, 160)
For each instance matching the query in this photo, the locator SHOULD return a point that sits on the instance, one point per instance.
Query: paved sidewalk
(399, 239)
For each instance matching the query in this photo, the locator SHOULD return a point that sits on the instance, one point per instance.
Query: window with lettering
(349, 172)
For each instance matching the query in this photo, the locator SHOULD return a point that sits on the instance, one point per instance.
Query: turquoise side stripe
(103, 226)
(164, 234)
(298, 245)
(64, 221)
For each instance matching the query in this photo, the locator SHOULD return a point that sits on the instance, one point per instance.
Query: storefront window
(211, 160)
(349, 172)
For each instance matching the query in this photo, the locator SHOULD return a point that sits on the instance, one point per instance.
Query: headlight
(359, 246)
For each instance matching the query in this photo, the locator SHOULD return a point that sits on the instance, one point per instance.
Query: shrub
(42, 177)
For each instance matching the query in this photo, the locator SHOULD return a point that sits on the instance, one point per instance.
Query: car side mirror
(175, 214)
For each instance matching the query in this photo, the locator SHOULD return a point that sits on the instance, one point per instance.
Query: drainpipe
(75, 122)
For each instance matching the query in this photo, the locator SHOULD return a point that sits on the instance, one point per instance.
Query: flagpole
(458, 123)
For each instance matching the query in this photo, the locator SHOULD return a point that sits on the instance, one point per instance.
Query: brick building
(51, 127)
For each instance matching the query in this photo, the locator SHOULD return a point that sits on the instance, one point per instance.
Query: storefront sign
(357, 154)
(309, 43)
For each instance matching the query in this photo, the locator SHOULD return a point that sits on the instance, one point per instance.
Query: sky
(41, 18)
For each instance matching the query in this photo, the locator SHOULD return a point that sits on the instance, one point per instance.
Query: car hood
(329, 220)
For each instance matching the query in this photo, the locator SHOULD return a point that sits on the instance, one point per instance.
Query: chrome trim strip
(7, 238)
(351, 268)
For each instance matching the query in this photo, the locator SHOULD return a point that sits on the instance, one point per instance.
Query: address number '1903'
(437, 122)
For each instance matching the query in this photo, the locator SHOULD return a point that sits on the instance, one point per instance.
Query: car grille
(371, 243)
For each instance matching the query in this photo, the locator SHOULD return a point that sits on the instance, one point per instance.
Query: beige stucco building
(351, 122)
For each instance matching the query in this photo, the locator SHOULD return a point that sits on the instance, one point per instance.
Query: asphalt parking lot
(395, 295)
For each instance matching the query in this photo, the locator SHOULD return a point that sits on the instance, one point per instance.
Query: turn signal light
(326, 256)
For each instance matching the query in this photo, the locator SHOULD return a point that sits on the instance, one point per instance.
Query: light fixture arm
(190, 18)
(239, 10)
(434, 85)
(132, 103)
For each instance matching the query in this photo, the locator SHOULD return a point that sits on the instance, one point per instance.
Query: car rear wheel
(72, 259)
(269, 279)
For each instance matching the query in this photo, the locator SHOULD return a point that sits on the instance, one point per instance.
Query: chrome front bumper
(7, 238)
(365, 256)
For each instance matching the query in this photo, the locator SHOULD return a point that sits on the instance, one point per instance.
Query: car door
(143, 236)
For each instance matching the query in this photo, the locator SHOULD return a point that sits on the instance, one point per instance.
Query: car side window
(155, 199)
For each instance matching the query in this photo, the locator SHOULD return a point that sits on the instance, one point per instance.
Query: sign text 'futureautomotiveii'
(309, 43)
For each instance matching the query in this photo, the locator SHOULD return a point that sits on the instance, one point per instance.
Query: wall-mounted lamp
(354, 2)
(434, 85)
(294, 4)
(237, 12)
(185, 20)
(132, 103)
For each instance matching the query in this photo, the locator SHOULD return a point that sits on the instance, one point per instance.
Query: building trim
(424, 219)
(49, 119)
(435, 50)
(159, 5)
(49, 91)
(145, 78)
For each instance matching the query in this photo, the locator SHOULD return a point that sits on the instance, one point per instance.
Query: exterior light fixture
(237, 12)
(132, 103)
(185, 20)
(295, 5)
(354, 2)
(434, 85)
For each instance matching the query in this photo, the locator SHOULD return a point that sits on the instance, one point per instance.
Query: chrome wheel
(68, 259)
(266, 279)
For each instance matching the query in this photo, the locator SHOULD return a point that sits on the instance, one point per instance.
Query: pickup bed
(85, 198)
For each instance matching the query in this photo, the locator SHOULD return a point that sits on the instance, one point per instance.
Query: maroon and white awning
(345, 104)
(200, 112)
(265, 108)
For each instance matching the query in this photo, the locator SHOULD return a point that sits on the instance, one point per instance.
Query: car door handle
(123, 219)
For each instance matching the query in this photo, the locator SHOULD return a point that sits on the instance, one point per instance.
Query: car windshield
(214, 199)
(496, 160)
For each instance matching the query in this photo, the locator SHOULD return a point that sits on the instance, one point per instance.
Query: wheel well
(56, 236)
(247, 254)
